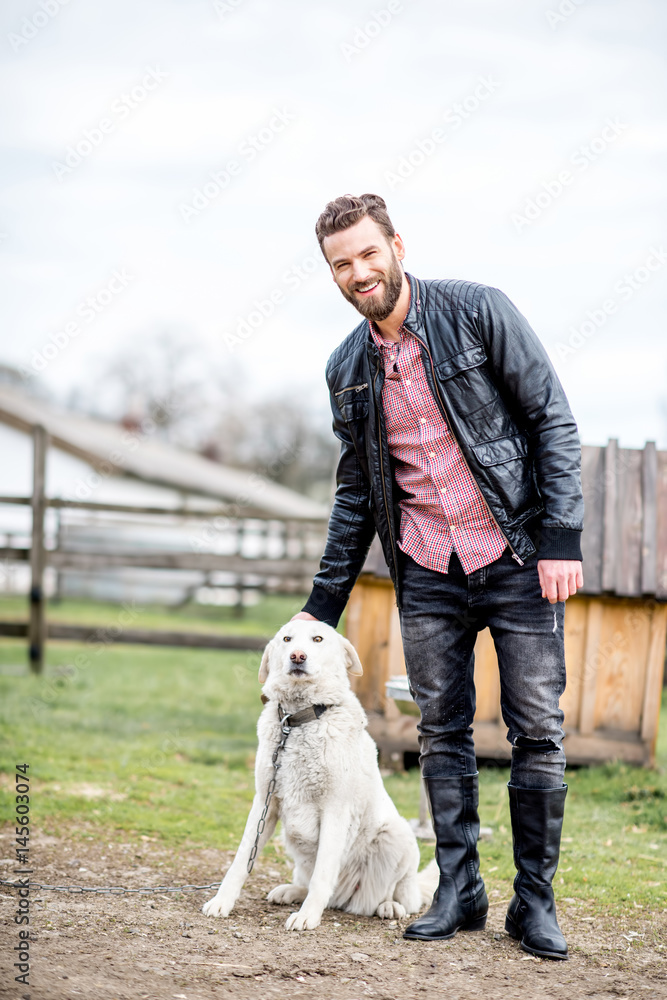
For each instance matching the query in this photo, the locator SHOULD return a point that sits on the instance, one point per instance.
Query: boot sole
(515, 933)
(474, 925)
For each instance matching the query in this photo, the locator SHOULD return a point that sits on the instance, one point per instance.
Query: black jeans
(441, 616)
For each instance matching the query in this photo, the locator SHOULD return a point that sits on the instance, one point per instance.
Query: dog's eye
(287, 638)
(317, 638)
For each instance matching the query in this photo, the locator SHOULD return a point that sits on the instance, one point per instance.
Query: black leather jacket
(504, 404)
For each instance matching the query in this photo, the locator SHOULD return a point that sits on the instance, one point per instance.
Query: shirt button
(431, 454)
(443, 490)
(451, 527)
(423, 420)
(408, 382)
(392, 357)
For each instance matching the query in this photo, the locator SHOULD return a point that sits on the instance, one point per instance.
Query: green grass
(160, 742)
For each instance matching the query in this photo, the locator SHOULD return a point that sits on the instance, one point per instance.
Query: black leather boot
(460, 902)
(537, 821)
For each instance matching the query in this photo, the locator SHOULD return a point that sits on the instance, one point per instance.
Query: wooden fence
(291, 570)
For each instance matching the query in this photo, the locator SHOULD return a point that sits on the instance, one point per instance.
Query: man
(459, 448)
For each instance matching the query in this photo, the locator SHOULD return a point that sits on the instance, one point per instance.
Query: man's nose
(297, 656)
(361, 272)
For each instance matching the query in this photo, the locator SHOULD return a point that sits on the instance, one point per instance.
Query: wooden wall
(615, 649)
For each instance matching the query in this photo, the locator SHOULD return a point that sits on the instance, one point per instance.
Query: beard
(378, 307)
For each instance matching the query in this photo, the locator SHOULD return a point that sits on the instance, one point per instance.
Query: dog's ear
(352, 660)
(264, 665)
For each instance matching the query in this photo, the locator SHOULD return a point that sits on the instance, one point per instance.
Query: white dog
(351, 849)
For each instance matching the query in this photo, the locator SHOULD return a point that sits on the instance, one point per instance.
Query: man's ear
(352, 661)
(264, 665)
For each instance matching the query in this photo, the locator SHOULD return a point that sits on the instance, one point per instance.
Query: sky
(164, 162)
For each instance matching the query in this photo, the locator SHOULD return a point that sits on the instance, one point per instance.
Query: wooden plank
(621, 665)
(229, 512)
(576, 614)
(145, 637)
(36, 622)
(368, 627)
(9, 554)
(650, 518)
(400, 735)
(629, 523)
(654, 674)
(590, 668)
(15, 630)
(593, 486)
(610, 532)
(395, 658)
(661, 528)
(204, 561)
(487, 679)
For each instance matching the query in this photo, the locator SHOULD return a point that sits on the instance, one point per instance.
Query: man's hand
(305, 616)
(560, 578)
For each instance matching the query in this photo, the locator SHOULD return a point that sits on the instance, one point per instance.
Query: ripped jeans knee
(537, 762)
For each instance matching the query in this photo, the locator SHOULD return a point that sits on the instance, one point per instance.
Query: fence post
(37, 623)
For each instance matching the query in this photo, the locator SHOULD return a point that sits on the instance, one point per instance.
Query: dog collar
(289, 721)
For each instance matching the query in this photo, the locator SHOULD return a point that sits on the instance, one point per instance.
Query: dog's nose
(298, 656)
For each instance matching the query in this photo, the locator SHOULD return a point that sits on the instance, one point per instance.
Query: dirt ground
(160, 947)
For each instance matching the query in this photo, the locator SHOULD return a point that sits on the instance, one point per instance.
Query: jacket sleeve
(531, 388)
(351, 531)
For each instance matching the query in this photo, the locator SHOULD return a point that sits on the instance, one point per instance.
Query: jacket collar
(413, 322)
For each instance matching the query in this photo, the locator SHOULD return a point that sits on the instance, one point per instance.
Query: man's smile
(368, 289)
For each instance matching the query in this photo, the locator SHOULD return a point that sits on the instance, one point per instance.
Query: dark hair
(346, 211)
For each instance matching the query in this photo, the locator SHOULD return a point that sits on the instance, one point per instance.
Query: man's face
(366, 268)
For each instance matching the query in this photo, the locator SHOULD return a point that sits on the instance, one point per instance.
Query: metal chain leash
(285, 727)
(119, 889)
(109, 890)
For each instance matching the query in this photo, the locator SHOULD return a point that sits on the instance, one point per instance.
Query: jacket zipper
(352, 388)
(384, 491)
(515, 555)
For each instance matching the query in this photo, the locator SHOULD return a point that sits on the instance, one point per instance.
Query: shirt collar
(403, 331)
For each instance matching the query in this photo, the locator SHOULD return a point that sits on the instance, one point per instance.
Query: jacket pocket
(506, 449)
(461, 362)
(353, 402)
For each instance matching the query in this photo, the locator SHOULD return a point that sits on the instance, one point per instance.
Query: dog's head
(307, 656)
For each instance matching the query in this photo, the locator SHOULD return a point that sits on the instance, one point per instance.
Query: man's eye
(287, 638)
(317, 638)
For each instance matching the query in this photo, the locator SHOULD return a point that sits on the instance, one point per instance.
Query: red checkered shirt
(446, 511)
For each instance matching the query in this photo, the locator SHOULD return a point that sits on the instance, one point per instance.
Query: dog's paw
(287, 894)
(217, 907)
(389, 909)
(303, 921)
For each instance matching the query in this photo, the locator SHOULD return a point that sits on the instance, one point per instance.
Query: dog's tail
(428, 881)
